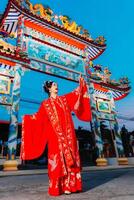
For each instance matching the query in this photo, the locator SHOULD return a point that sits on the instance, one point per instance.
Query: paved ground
(116, 184)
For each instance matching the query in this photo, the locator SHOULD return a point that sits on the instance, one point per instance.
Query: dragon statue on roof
(38, 9)
(46, 13)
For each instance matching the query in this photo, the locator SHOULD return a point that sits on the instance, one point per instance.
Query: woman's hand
(33, 116)
(81, 80)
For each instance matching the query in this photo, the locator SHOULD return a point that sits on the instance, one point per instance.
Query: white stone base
(112, 161)
(131, 160)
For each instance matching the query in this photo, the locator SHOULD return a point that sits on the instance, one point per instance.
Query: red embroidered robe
(53, 124)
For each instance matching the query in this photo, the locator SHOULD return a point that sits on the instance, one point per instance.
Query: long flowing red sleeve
(34, 136)
(79, 102)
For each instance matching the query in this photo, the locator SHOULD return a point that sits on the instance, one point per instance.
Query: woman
(53, 124)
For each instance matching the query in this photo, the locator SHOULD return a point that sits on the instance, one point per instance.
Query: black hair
(47, 85)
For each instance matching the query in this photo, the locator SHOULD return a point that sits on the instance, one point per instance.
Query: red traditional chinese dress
(53, 125)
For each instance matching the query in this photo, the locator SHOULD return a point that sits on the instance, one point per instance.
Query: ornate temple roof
(101, 78)
(15, 9)
(117, 92)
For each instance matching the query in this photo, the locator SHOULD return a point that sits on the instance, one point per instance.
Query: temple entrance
(86, 147)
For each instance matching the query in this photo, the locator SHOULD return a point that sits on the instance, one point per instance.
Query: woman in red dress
(53, 125)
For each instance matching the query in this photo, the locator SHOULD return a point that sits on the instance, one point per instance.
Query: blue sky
(113, 19)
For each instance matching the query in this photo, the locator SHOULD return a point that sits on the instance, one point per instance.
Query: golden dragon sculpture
(39, 9)
(71, 26)
(47, 13)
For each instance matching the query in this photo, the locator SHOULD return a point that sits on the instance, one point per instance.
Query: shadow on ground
(95, 179)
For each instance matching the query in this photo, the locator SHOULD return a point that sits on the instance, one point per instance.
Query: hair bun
(47, 85)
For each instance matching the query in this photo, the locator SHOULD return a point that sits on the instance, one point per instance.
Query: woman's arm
(79, 101)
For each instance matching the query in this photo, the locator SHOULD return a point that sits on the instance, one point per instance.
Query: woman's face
(54, 88)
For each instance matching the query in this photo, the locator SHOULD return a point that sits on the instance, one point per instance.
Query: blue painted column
(122, 160)
(115, 127)
(118, 139)
(95, 121)
(13, 127)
